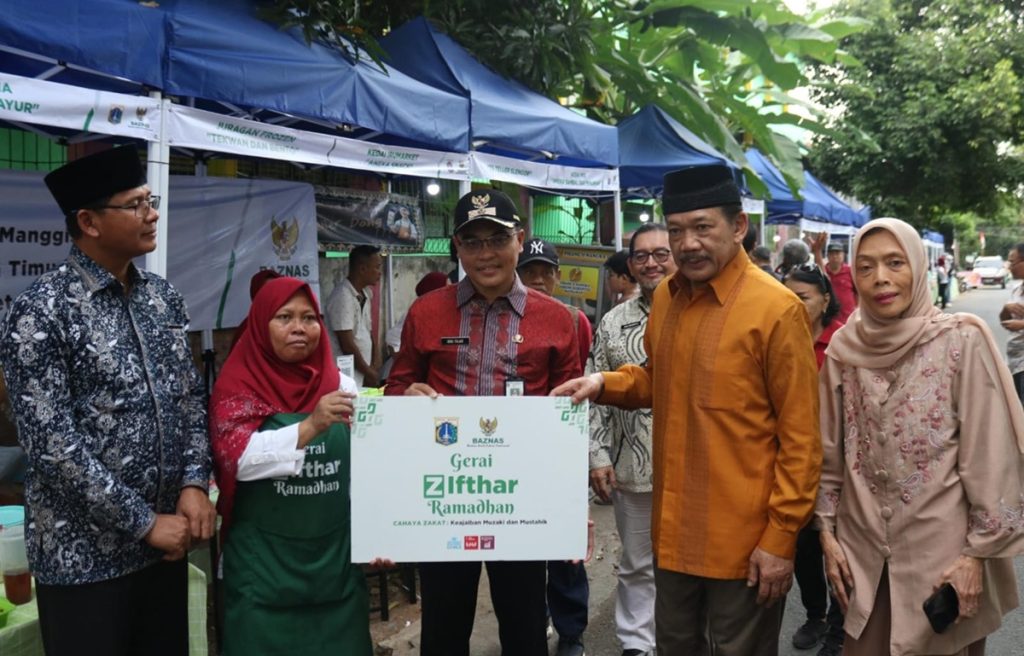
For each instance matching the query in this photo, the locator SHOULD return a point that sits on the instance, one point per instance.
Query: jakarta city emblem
(446, 430)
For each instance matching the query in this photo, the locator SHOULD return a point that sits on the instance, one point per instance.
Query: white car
(991, 270)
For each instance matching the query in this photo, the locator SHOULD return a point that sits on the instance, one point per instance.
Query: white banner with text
(40, 102)
(469, 478)
(188, 127)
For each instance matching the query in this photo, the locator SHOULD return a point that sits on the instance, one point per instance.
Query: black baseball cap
(836, 246)
(538, 250)
(488, 205)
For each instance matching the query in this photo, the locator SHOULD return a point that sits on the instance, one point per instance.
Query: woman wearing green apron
(279, 418)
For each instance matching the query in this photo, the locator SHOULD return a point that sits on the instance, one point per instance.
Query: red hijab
(255, 384)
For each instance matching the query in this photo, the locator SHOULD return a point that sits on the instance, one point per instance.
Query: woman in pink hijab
(921, 478)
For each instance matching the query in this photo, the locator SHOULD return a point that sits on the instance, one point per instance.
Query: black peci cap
(81, 182)
(698, 187)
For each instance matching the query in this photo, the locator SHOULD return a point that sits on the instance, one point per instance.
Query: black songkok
(698, 187)
(84, 181)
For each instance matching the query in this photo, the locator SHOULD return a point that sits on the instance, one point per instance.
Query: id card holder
(515, 387)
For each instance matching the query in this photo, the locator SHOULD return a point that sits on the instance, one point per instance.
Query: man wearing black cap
(568, 588)
(732, 381)
(488, 335)
(111, 412)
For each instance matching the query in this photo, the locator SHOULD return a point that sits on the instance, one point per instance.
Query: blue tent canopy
(652, 143)
(505, 117)
(818, 202)
(221, 52)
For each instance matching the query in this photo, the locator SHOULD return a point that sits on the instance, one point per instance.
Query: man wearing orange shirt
(732, 382)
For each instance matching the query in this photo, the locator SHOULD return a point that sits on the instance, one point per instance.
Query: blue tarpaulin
(505, 117)
(220, 51)
(818, 202)
(652, 143)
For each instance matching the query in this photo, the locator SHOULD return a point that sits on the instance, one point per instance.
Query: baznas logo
(115, 114)
(488, 426)
(285, 237)
(446, 430)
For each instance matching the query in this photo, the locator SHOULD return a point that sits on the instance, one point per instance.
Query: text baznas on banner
(352, 217)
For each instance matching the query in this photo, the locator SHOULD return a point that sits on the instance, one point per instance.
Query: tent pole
(529, 215)
(617, 216)
(465, 186)
(389, 272)
(158, 174)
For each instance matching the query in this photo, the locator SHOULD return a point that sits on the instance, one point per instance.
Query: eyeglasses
(494, 242)
(140, 208)
(660, 256)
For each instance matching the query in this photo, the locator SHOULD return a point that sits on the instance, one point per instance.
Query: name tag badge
(630, 326)
(515, 387)
(454, 341)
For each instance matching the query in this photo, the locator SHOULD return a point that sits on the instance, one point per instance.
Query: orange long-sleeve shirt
(737, 446)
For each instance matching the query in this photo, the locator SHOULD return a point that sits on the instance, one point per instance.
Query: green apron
(289, 584)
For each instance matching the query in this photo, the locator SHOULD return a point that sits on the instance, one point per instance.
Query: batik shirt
(111, 412)
(621, 438)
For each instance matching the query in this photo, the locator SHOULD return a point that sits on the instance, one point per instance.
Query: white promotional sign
(194, 128)
(541, 175)
(224, 231)
(810, 225)
(469, 478)
(753, 205)
(27, 100)
(33, 239)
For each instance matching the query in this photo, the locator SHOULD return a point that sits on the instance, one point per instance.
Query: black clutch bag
(942, 608)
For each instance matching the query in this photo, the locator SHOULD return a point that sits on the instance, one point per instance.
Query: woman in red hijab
(279, 418)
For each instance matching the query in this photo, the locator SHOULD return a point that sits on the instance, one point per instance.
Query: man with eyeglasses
(732, 384)
(488, 335)
(621, 467)
(112, 414)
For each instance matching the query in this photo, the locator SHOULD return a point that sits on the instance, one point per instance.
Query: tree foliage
(721, 67)
(939, 92)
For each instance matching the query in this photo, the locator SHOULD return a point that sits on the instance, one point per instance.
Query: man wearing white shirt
(349, 315)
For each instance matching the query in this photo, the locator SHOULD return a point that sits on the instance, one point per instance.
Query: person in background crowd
(1012, 318)
(812, 286)
(762, 259)
(749, 240)
(838, 271)
(942, 278)
(112, 414)
(921, 483)
(732, 383)
(538, 269)
(568, 588)
(621, 285)
(620, 443)
(350, 315)
(279, 408)
(489, 311)
(794, 253)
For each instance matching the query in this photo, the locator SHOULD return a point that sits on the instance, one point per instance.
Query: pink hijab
(872, 342)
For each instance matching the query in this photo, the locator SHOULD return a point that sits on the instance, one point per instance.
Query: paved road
(600, 637)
